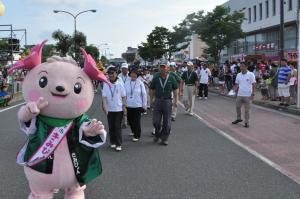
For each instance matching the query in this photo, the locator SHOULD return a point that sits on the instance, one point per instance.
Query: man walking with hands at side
(245, 88)
(161, 89)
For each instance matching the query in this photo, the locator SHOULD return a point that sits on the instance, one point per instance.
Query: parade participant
(61, 149)
(190, 84)
(147, 78)
(177, 76)
(161, 89)
(136, 103)
(114, 104)
(204, 79)
(123, 78)
(245, 88)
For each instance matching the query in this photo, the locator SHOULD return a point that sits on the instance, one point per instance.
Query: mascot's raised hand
(32, 109)
(93, 128)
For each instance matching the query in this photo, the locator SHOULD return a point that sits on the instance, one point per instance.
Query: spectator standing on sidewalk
(205, 74)
(123, 78)
(189, 86)
(284, 76)
(174, 72)
(273, 86)
(114, 105)
(228, 77)
(245, 88)
(161, 89)
(293, 85)
(222, 80)
(136, 103)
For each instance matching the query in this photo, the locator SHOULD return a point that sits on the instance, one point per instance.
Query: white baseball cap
(190, 63)
(124, 65)
(173, 64)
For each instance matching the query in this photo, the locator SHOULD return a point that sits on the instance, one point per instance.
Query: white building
(194, 50)
(262, 25)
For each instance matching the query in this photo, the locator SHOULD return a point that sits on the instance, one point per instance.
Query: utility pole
(281, 44)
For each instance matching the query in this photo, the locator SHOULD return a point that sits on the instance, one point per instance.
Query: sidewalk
(292, 109)
(16, 98)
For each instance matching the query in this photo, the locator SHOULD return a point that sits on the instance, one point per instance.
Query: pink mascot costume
(61, 149)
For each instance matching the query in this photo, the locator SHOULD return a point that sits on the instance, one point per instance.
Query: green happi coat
(85, 160)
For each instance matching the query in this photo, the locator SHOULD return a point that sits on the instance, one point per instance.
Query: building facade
(261, 25)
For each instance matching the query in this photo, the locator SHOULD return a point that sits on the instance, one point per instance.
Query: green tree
(103, 60)
(93, 51)
(218, 29)
(48, 51)
(64, 41)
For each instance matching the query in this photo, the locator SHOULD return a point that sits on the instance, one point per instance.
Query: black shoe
(281, 104)
(155, 139)
(236, 121)
(173, 119)
(246, 125)
(286, 105)
(164, 142)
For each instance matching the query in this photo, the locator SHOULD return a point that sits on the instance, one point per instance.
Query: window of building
(274, 7)
(254, 13)
(290, 5)
(260, 11)
(249, 15)
(267, 9)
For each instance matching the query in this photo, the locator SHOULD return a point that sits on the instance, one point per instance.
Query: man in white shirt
(114, 105)
(204, 79)
(123, 78)
(245, 88)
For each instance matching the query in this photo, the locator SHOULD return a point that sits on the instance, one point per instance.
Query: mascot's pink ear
(32, 60)
(91, 69)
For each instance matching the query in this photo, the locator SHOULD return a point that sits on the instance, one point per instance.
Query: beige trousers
(189, 98)
(247, 104)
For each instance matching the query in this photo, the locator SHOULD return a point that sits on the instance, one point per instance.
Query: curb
(267, 105)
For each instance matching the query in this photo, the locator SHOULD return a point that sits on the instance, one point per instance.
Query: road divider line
(11, 107)
(283, 171)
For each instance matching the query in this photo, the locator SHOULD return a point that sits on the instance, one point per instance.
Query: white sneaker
(55, 191)
(118, 148)
(113, 146)
(205, 98)
(191, 113)
(153, 132)
(135, 139)
(131, 134)
(200, 98)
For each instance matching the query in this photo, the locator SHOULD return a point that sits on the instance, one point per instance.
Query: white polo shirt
(114, 96)
(136, 95)
(123, 78)
(245, 82)
(204, 76)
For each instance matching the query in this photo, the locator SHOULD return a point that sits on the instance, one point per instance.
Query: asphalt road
(198, 164)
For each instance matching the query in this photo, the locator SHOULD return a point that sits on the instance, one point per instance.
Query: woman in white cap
(136, 103)
(114, 105)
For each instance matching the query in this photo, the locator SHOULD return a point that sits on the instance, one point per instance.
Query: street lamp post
(75, 31)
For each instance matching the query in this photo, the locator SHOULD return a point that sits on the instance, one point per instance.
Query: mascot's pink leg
(76, 192)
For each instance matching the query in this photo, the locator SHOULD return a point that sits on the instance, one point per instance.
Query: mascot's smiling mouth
(59, 95)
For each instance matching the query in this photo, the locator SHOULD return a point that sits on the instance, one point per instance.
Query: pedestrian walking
(189, 86)
(273, 82)
(136, 103)
(245, 89)
(161, 89)
(123, 78)
(177, 75)
(284, 76)
(114, 105)
(205, 74)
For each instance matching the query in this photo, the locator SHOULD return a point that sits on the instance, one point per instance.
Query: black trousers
(134, 121)
(162, 110)
(114, 125)
(203, 87)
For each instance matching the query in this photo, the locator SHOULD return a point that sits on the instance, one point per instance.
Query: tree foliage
(218, 29)
(93, 51)
(64, 41)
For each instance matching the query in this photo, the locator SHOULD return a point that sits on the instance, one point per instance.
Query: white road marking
(249, 150)
(11, 107)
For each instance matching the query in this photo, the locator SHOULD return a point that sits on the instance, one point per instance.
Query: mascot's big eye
(77, 88)
(43, 82)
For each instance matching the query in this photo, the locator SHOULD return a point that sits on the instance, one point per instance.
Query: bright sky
(119, 23)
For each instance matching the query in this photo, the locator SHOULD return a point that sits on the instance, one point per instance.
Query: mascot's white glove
(93, 128)
(32, 109)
